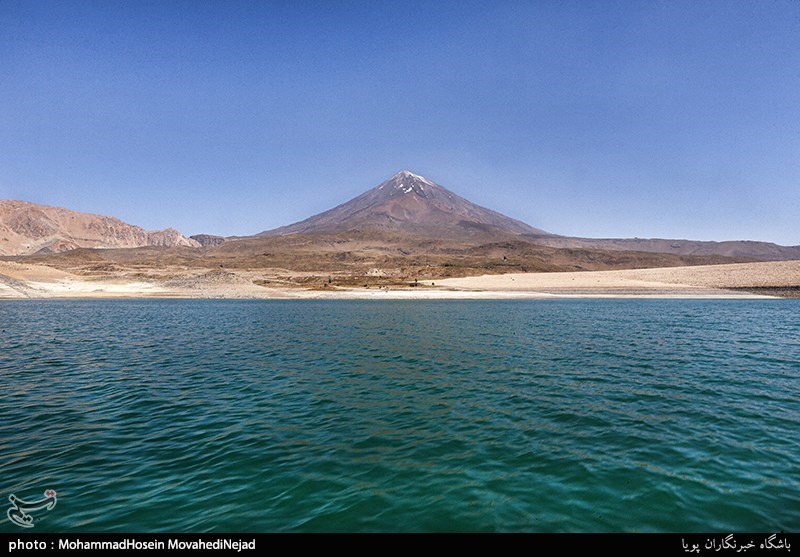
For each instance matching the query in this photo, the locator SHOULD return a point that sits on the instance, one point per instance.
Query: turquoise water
(568, 415)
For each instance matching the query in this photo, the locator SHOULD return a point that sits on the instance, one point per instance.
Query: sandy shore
(713, 281)
(706, 281)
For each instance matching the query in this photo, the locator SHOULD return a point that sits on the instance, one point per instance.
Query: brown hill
(735, 248)
(383, 260)
(27, 228)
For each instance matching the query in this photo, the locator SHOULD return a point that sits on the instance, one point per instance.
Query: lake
(540, 415)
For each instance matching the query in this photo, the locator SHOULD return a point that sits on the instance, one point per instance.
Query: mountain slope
(28, 228)
(734, 248)
(410, 204)
(407, 208)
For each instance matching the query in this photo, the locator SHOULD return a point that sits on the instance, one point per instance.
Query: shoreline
(767, 280)
(458, 296)
(392, 294)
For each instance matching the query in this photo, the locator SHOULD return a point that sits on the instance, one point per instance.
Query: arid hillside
(28, 228)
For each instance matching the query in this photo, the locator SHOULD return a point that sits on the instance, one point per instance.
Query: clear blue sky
(591, 118)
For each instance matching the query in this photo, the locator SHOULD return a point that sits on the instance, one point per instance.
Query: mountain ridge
(404, 211)
(28, 228)
(676, 246)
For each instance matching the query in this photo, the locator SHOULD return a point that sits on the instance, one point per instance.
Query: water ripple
(571, 415)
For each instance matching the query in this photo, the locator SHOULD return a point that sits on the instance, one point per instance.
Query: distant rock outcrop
(28, 228)
(206, 240)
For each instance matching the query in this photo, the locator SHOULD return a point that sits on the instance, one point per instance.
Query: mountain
(406, 228)
(28, 228)
(410, 204)
(407, 205)
(400, 222)
(734, 248)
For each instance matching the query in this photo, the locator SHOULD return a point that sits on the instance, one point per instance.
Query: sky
(591, 118)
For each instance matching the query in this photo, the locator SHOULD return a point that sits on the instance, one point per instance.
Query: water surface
(541, 415)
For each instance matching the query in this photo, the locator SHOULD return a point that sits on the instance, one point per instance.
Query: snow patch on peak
(403, 174)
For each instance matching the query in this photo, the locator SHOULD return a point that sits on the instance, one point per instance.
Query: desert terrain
(775, 278)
